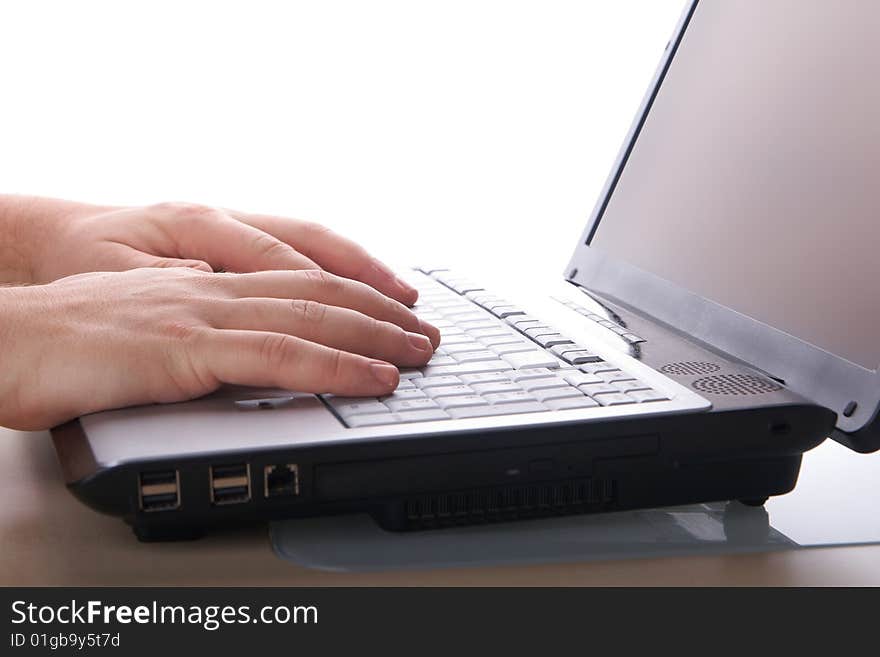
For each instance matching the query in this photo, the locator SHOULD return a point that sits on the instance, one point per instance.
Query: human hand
(105, 340)
(65, 238)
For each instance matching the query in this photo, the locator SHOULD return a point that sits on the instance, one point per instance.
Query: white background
(456, 130)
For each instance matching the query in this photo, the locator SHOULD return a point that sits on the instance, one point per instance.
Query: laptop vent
(501, 503)
(690, 368)
(735, 384)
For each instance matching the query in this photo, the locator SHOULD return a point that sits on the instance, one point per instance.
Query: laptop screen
(755, 180)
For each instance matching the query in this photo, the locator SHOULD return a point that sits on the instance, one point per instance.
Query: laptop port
(230, 484)
(281, 480)
(159, 490)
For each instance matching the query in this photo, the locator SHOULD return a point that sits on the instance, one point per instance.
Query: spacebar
(501, 409)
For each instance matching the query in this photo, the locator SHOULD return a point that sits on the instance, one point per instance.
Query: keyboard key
(574, 354)
(503, 312)
(612, 376)
(496, 386)
(406, 373)
(512, 397)
(400, 395)
(426, 415)
(463, 347)
(452, 305)
(614, 399)
(463, 401)
(513, 348)
(476, 356)
(632, 386)
(554, 394)
(370, 420)
(551, 340)
(632, 338)
(428, 270)
(544, 384)
(449, 391)
(472, 324)
(503, 409)
(593, 389)
(581, 378)
(363, 407)
(468, 368)
(522, 322)
(486, 377)
(508, 338)
(571, 403)
(437, 381)
(465, 286)
(526, 375)
(485, 299)
(539, 329)
(493, 332)
(411, 404)
(465, 315)
(442, 360)
(531, 359)
(597, 367)
(648, 395)
(405, 384)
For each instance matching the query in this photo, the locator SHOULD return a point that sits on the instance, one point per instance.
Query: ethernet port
(281, 480)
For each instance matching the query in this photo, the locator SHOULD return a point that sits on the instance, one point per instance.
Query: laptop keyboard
(494, 359)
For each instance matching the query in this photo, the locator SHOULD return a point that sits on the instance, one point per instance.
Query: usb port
(230, 484)
(159, 490)
(281, 480)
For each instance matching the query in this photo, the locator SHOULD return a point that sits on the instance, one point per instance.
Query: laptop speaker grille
(500, 503)
(690, 368)
(735, 384)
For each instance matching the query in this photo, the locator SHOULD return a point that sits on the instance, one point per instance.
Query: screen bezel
(829, 380)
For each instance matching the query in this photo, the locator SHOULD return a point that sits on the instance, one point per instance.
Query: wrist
(29, 226)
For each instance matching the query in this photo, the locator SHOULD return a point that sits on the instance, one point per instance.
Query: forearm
(26, 222)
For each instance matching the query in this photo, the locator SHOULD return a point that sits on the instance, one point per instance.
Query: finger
(211, 235)
(256, 358)
(334, 253)
(316, 285)
(126, 257)
(340, 328)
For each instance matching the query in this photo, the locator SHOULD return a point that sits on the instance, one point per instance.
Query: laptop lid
(744, 207)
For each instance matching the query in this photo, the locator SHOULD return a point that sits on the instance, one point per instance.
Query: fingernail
(384, 373)
(420, 342)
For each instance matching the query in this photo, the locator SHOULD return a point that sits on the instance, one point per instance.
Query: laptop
(717, 319)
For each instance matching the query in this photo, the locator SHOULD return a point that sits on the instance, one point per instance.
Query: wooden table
(48, 538)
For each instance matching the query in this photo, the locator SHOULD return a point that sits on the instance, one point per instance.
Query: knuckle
(308, 311)
(268, 247)
(188, 375)
(183, 332)
(386, 332)
(314, 229)
(187, 211)
(336, 365)
(315, 277)
(275, 351)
